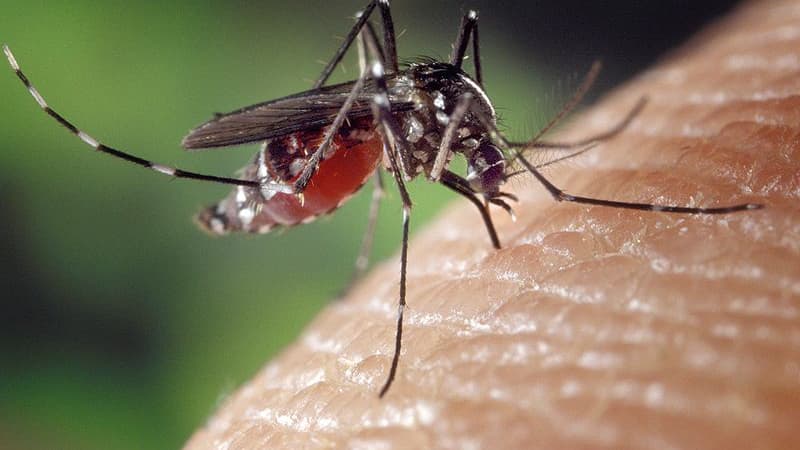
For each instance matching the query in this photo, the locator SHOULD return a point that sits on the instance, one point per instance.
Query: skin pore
(593, 327)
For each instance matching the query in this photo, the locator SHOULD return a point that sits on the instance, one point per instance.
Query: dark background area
(122, 325)
(564, 37)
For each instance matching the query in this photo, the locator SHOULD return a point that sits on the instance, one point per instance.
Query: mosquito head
(486, 167)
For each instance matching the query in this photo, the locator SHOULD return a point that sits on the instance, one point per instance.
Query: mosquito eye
(486, 168)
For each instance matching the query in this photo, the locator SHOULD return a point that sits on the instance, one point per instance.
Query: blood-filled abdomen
(353, 157)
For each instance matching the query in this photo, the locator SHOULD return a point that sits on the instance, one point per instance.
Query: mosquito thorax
(435, 88)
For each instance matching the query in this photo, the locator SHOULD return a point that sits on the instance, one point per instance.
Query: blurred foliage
(122, 324)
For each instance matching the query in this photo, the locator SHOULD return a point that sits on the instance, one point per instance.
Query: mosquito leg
(369, 39)
(560, 195)
(368, 42)
(382, 111)
(461, 186)
(100, 147)
(313, 162)
(469, 26)
(370, 48)
(401, 305)
(468, 22)
(361, 19)
(370, 45)
(443, 155)
(369, 234)
(394, 144)
(476, 55)
(389, 41)
(389, 47)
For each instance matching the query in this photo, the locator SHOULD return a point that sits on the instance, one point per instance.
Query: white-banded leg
(389, 41)
(99, 146)
(394, 145)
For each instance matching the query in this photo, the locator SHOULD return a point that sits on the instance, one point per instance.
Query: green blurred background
(123, 326)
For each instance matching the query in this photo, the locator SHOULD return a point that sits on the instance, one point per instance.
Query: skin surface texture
(593, 327)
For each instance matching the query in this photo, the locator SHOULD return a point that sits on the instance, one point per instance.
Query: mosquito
(319, 147)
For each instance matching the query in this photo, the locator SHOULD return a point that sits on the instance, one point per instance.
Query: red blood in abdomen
(338, 177)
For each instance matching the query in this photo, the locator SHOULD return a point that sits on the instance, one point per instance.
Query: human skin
(593, 327)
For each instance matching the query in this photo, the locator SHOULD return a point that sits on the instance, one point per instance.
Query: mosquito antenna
(557, 160)
(608, 134)
(584, 87)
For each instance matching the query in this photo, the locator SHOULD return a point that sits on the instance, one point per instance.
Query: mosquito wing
(303, 111)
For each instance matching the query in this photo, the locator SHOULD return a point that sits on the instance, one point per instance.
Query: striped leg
(95, 144)
(394, 145)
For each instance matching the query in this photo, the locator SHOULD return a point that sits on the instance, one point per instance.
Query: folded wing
(303, 111)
